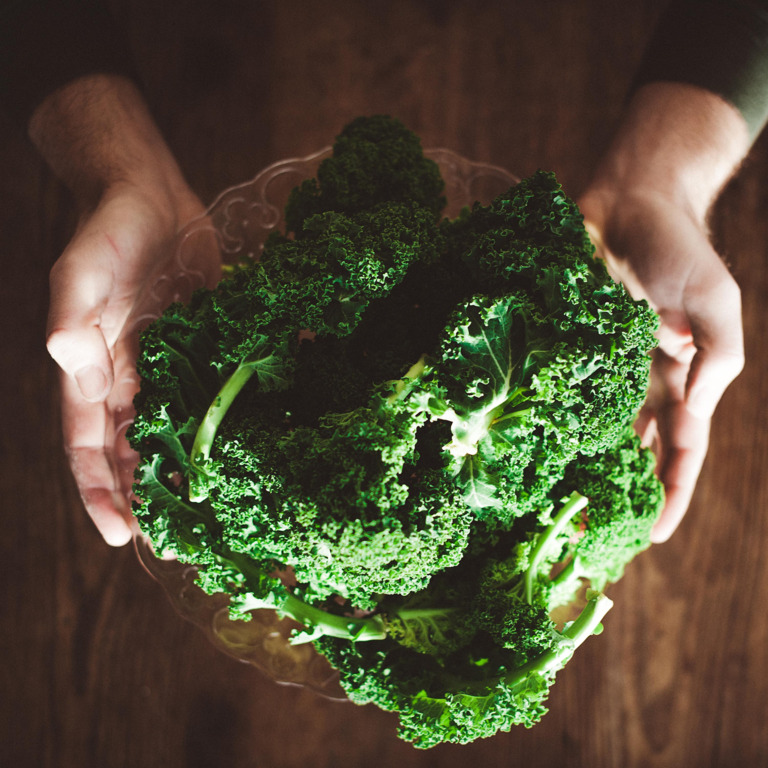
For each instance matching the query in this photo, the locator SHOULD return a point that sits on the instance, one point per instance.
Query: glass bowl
(239, 221)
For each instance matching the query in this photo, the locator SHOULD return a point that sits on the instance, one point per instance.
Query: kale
(426, 422)
(375, 160)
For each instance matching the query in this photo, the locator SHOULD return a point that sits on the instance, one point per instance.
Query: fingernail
(92, 382)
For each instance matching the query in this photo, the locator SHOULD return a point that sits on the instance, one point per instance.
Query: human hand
(646, 211)
(118, 271)
(664, 256)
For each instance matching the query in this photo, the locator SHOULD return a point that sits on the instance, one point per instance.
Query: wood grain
(97, 669)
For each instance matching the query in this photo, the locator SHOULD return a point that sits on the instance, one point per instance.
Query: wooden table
(98, 671)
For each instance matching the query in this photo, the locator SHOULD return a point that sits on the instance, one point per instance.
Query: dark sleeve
(720, 45)
(45, 44)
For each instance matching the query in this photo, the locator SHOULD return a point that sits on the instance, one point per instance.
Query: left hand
(117, 272)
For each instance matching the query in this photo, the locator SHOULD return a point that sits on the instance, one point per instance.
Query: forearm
(97, 133)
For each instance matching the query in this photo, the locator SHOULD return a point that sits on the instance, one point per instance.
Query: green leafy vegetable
(425, 422)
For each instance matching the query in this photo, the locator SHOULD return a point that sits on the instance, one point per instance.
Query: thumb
(82, 354)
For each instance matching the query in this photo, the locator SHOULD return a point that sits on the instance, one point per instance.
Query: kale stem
(589, 619)
(586, 625)
(576, 502)
(566, 573)
(412, 373)
(371, 628)
(517, 413)
(415, 613)
(516, 394)
(549, 662)
(206, 432)
(316, 621)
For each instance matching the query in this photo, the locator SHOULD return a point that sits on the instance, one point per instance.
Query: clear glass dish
(240, 219)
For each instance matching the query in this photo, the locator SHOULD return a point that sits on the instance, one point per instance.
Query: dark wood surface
(98, 671)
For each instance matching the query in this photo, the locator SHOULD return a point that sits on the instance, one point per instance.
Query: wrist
(677, 144)
(97, 134)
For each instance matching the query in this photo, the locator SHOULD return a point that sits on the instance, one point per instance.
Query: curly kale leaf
(477, 693)
(523, 396)
(336, 503)
(625, 500)
(375, 159)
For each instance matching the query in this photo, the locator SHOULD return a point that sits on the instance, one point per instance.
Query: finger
(713, 303)
(683, 438)
(110, 513)
(86, 429)
(646, 426)
(84, 356)
(78, 297)
(120, 404)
